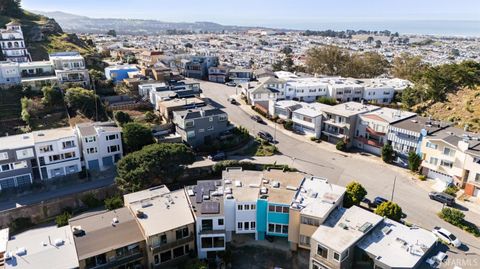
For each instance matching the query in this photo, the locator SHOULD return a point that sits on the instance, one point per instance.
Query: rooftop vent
(238, 183)
(206, 197)
(21, 251)
(343, 226)
(263, 190)
(228, 190)
(292, 188)
(386, 230)
(228, 181)
(140, 214)
(77, 230)
(229, 196)
(276, 184)
(58, 242)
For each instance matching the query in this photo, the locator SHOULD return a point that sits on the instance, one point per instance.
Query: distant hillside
(43, 35)
(82, 24)
(463, 107)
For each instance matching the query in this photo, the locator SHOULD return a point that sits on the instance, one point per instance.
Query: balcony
(170, 245)
(128, 257)
(373, 132)
(337, 124)
(369, 142)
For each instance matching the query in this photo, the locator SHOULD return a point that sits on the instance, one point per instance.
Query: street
(341, 168)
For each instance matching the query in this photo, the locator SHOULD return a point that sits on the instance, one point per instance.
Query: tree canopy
(354, 194)
(52, 96)
(152, 165)
(84, 101)
(136, 136)
(11, 8)
(390, 210)
(122, 117)
(387, 153)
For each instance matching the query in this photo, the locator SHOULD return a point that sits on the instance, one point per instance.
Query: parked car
(446, 236)
(231, 84)
(265, 136)
(232, 101)
(437, 260)
(378, 201)
(219, 156)
(442, 198)
(257, 119)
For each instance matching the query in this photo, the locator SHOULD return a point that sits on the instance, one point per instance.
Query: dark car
(265, 136)
(218, 156)
(257, 119)
(378, 201)
(442, 198)
(232, 101)
(231, 84)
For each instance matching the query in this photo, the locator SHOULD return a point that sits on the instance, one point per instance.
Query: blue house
(118, 73)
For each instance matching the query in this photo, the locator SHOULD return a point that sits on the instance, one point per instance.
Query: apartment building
(110, 239)
(18, 163)
(377, 92)
(341, 120)
(166, 223)
(333, 243)
(13, 44)
(100, 144)
(199, 126)
(118, 73)
(57, 152)
(218, 74)
(70, 68)
(48, 247)
(372, 128)
(406, 135)
(207, 204)
(345, 90)
(240, 197)
(277, 191)
(239, 75)
(313, 202)
(9, 74)
(197, 66)
(305, 89)
(37, 74)
(308, 119)
(149, 58)
(167, 107)
(283, 109)
(472, 168)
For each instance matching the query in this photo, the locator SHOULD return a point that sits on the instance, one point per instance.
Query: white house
(9, 74)
(308, 119)
(70, 68)
(13, 43)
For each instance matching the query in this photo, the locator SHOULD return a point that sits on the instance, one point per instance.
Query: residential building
(406, 135)
(472, 168)
(199, 126)
(308, 119)
(372, 128)
(283, 109)
(341, 121)
(100, 144)
(333, 243)
(4, 236)
(394, 245)
(13, 43)
(262, 91)
(166, 222)
(305, 89)
(378, 92)
(167, 107)
(277, 192)
(57, 152)
(240, 197)
(149, 58)
(37, 74)
(218, 74)
(345, 90)
(313, 202)
(70, 68)
(197, 66)
(49, 247)
(240, 75)
(109, 239)
(207, 204)
(18, 163)
(263, 72)
(118, 73)
(9, 74)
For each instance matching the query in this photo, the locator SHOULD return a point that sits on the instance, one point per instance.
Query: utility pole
(393, 189)
(275, 133)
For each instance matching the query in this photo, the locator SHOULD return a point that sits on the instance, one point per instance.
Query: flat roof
(101, 234)
(3, 239)
(206, 198)
(42, 250)
(53, 134)
(16, 141)
(287, 188)
(316, 197)
(350, 108)
(162, 212)
(397, 245)
(244, 184)
(344, 227)
(94, 128)
(417, 123)
(389, 115)
(181, 102)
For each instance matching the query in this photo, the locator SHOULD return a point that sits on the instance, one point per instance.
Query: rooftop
(104, 232)
(53, 134)
(388, 115)
(206, 198)
(41, 248)
(16, 141)
(417, 123)
(317, 197)
(397, 245)
(122, 67)
(158, 210)
(199, 112)
(350, 109)
(344, 227)
(242, 185)
(281, 186)
(182, 102)
(94, 128)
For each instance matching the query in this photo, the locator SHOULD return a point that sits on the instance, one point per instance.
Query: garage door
(476, 192)
(440, 176)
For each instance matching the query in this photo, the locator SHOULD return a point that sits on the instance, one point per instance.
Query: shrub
(354, 194)
(422, 177)
(150, 116)
(452, 215)
(113, 202)
(414, 161)
(390, 210)
(122, 117)
(62, 219)
(451, 190)
(220, 166)
(327, 100)
(288, 125)
(313, 138)
(20, 224)
(341, 145)
(90, 201)
(387, 153)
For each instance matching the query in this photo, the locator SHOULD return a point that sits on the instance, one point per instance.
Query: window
(446, 163)
(336, 256)
(277, 228)
(47, 148)
(304, 240)
(178, 252)
(222, 118)
(321, 251)
(431, 145)
(189, 124)
(190, 134)
(247, 207)
(68, 144)
(477, 178)
(90, 139)
(448, 151)
(252, 225)
(20, 165)
(271, 227)
(219, 242)
(247, 225)
(433, 161)
(113, 148)
(285, 209)
(271, 208)
(240, 225)
(69, 155)
(165, 256)
(310, 221)
(240, 207)
(210, 128)
(92, 150)
(163, 239)
(220, 222)
(3, 156)
(210, 119)
(181, 233)
(252, 207)
(5, 167)
(207, 225)
(111, 137)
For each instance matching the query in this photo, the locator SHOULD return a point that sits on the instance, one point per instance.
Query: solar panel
(210, 208)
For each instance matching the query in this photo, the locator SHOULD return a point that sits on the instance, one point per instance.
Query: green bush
(422, 177)
(354, 194)
(341, 145)
(90, 201)
(113, 202)
(288, 125)
(390, 210)
(62, 220)
(220, 166)
(387, 153)
(327, 100)
(451, 190)
(20, 224)
(414, 161)
(122, 117)
(452, 215)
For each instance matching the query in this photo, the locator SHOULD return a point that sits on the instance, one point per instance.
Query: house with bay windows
(18, 163)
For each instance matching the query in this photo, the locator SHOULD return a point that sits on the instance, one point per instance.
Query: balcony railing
(173, 244)
(372, 131)
(129, 256)
(370, 142)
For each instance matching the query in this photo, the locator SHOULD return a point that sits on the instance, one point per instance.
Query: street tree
(414, 161)
(354, 194)
(390, 210)
(387, 153)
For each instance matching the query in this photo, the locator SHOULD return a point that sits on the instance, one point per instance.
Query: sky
(271, 13)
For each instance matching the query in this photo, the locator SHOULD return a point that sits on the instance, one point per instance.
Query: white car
(446, 236)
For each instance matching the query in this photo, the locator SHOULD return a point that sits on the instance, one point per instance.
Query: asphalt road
(378, 178)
